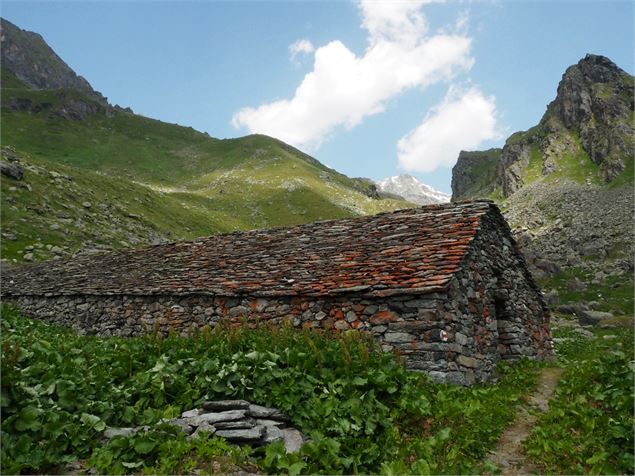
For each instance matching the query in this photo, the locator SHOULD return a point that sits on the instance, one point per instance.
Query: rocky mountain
(80, 174)
(586, 134)
(411, 189)
(26, 56)
(566, 187)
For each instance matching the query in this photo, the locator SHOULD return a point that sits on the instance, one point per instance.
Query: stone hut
(443, 285)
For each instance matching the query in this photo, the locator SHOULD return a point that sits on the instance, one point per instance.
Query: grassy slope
(44, 209)
(141, 148)
(588, 428)
(182, 182)
(122, 213)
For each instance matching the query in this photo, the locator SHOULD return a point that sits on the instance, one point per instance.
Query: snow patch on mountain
(412, 190)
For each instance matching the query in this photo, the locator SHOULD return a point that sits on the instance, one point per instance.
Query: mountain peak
(34, 63)
(595, 99)
(586, 135)
(412, 189)
(600, 68)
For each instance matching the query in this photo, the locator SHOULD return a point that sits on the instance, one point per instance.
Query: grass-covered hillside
(147, 180)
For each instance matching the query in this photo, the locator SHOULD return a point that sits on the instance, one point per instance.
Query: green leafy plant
(362, 411)
(589, 426)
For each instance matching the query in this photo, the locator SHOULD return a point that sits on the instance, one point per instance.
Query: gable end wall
(499, 311)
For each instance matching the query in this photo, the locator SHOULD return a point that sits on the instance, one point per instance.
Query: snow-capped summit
(412, 190)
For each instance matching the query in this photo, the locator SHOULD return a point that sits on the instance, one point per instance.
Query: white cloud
(300, 47)
(394, 20)
(344, 88)
(462, 121)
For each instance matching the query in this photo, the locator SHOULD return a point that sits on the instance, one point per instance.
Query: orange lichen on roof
(408, 251)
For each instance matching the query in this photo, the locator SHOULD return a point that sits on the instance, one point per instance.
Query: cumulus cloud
(300, 47)
(344, 88)
(462, 121)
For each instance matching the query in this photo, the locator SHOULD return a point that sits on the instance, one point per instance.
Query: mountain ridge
(35, 64)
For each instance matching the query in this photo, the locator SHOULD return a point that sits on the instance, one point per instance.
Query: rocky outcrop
(595, 98)
(514, 159)
(367, 187)
(474, 174)
(64, 106)
(11, 167)
(238, 421)
(34, 63)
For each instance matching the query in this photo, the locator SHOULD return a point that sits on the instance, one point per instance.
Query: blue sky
(369, 88)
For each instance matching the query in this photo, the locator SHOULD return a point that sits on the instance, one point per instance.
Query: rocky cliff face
(474, 174)
(595, 99)
(590, 123)
(34, 63)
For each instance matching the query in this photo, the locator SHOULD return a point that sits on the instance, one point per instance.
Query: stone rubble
(238, 421)
(574, 226)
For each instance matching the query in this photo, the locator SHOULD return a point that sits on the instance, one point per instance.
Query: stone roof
(413, 251)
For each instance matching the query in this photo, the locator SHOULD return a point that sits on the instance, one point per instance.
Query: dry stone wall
(415, 327)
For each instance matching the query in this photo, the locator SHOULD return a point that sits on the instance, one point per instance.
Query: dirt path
(507, 455)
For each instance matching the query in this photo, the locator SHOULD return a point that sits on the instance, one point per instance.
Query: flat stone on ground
(593, 317)
(267, 422)
(251, 435)
(272, 433)
(212, 418)
(258, 411)
(182, 424)
(235, 425)
(190, 413)
(293, 440)
(222, 405)
(112, 432)
(204, 427)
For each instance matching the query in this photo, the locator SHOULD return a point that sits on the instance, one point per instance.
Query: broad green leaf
(28, 419)
(66, 394)
(359, 381)
(144, 445)
(421, 467)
